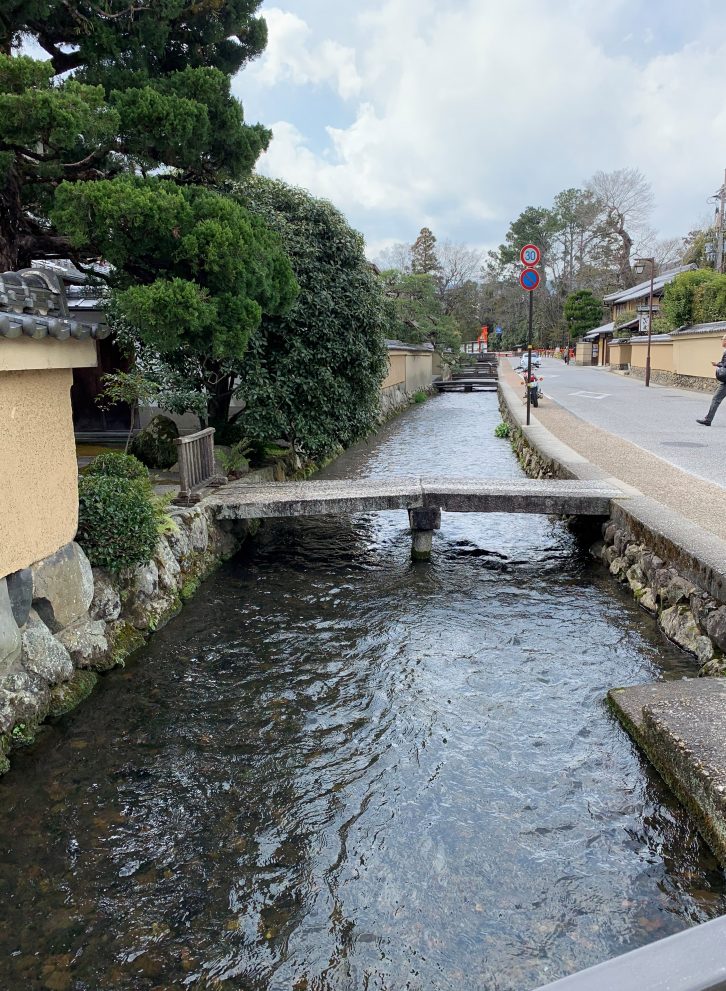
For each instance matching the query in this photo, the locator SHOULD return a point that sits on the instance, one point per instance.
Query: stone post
(423, 522)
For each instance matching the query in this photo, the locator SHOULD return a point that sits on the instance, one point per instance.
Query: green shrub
(683, 298)
(115, 464)
(117, 525)
(502, 430)
(420, 396)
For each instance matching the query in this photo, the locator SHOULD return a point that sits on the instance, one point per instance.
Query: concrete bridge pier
(423, 522)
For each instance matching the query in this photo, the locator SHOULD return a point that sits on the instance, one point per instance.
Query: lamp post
(639, 268)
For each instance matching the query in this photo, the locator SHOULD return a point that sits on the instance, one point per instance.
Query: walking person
(720, 393)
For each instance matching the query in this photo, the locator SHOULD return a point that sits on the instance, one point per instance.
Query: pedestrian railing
(196, 464)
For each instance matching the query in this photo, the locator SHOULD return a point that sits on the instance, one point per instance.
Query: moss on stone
(71, 693)
(124, 641)
(190, 586)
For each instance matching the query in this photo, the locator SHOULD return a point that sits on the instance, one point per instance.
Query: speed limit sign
(530, 255)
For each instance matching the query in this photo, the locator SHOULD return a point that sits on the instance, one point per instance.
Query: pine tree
(149, 91)
(121, 160)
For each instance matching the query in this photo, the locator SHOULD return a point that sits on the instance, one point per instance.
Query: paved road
(660, 419)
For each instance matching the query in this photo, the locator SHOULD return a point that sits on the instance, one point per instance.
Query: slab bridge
(423, 497)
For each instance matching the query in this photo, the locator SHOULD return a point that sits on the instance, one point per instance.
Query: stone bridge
(423, 497)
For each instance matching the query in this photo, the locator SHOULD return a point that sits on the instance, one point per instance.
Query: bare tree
(627, 203)
(397, 256)
(458, 264)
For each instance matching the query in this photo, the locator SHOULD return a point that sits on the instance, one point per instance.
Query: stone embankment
(675, 570)
(62, 622)
(677, 573)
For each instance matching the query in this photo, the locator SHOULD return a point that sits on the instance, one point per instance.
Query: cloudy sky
(457, 114)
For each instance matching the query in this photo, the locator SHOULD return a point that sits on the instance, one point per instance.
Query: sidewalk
(627, 432)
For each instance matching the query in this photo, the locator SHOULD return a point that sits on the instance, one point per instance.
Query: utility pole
(721, 196)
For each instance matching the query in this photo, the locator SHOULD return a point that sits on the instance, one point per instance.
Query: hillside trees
(311, 375)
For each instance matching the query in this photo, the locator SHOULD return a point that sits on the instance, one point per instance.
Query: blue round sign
(529, 279)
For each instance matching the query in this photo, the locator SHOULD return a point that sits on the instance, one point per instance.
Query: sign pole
(529, 354)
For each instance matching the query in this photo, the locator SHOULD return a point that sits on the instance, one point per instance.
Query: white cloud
(293, 56)
(471, 110)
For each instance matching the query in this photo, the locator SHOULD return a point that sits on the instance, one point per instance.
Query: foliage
(195, 270)
(110, 150)
(423, 254)
(699, 247)
(420, 396)
(311, 376)
(237, 460)
(625, 317)
(155, 445)
(133, 388)
(117, 525)
(419, 313)
(128, 88)
(113, 464)
(583, 312)
(502, 430)
(694, 297)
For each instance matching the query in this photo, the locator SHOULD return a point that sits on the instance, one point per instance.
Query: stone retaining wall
(654, 569)
(62, 622)
(660, 377)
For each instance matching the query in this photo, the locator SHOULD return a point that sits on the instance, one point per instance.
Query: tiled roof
(718, 326)
(402, 346)
(607, 328)
(643, 288)
(33, 304)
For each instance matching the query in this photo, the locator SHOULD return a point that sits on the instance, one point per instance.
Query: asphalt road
(659, 419)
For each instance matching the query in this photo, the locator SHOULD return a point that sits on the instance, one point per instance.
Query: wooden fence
(196, 463)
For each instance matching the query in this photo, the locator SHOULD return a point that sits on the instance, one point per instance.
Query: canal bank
(676, 571)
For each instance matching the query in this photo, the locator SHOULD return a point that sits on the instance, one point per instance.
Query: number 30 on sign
(530, 255)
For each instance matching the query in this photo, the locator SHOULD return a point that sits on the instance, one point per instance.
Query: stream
(338, 770)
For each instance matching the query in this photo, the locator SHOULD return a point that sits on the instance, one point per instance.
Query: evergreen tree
(582, 312)
(312, 375)
(120, 158)
(149, 91)
(423, 254)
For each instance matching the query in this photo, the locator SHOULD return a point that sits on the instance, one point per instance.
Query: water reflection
(339, 770)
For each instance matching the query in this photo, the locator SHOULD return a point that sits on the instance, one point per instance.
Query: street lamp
(639, 268)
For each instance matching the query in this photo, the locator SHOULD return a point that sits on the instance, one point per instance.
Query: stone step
(681, 727)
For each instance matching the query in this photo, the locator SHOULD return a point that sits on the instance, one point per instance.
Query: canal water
(337, 770)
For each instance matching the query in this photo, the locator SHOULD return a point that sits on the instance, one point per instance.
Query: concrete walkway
(644, 437)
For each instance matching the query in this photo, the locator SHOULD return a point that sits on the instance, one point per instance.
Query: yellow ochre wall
(686, 354)
(411, 370)
(38, 471)
(693, 354)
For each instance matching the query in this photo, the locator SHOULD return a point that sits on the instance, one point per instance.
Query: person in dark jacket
(720, 393)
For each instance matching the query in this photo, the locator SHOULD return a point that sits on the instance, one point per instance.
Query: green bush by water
(502, 430)
(118, 526)
(420, 396)
(116, 464)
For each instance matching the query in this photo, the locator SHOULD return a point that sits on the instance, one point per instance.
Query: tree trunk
(220, 398)
(12, 222)
(22, 239)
